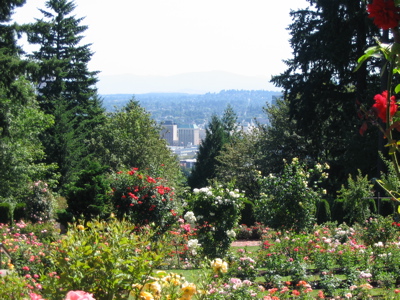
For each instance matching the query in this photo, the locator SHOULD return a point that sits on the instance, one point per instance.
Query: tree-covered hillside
(185, 108)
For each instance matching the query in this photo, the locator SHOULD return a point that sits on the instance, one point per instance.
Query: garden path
(244, 243)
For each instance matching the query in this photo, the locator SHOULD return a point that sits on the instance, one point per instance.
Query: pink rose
(36, 296)
(79, 295)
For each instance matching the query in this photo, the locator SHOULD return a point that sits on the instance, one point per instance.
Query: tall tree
(322, 87)
(21, 120)
(20, 146)
(65, 84)
(130, 138)
(218, 132)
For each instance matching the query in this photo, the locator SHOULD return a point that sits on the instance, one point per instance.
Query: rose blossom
(385, 13)
(79, 295)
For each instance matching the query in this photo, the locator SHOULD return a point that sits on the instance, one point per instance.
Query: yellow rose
(146, 296)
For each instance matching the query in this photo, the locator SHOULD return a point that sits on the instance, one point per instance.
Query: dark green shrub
(87, 196)
(5, 213)
(323, 211)
(357, 199)
(337, 211)
(20, 212)
(64, 217)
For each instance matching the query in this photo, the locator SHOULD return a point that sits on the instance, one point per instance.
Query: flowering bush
(217, 210)
(144, 200)
(244, 232)
(40, 202)
(290, 199)
(243, 267)
(101, 257)
(182, 244)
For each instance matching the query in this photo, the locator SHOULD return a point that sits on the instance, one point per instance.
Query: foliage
(20, 146)
(242, 267)
(66, 86)
(219, 131)
(5, 213)
(279, 139)
(237, 162)
(244, 232)
(102, 258)
(100, 255)
(290, 199)
(217, 210)
(13, 287)
(357, 199)
(87, 197)
(144, 200)
(379, 229)
(130, 138)
(20, 212)
(321, 86)
(40, 202)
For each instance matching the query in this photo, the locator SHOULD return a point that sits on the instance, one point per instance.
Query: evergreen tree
(218, 133)
(21, 121)
(322, 87)
(66, 86)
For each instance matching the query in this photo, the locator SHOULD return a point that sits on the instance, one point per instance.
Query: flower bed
(115, 260)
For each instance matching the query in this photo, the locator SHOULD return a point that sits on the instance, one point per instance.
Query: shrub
(143, 199)
(5, 213)
(356, 204)
(217, 210)
(20, 212)
(103, 258)
(290, 199)
(87, 197)
(40, 202)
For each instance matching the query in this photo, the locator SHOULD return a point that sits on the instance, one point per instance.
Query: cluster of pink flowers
(71, 295)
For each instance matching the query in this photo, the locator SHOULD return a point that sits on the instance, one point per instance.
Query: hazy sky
(167, 37)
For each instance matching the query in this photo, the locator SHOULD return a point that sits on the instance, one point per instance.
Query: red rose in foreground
(380, 105)
(385, 13)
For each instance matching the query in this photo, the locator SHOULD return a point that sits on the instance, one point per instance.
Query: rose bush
(144, 200)
(290, 199)
(217, 211)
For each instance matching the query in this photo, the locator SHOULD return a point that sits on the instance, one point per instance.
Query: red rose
(385, 13)
(381, 104)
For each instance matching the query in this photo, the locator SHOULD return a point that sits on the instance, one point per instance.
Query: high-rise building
(170, 133)
(188, 135)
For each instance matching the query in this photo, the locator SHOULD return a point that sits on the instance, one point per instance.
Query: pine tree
(322, 87)
(66, 86)
(218, 132)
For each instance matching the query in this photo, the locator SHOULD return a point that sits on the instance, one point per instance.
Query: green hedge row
(7, 214)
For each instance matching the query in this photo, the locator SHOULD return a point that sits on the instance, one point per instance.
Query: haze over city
(153, 45)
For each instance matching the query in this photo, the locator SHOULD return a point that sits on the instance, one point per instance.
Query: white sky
(166, 37)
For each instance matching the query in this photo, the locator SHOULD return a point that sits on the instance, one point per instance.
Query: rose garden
(135, 234)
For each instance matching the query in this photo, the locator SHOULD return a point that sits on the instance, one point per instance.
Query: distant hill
(184, 108)
(191, 83)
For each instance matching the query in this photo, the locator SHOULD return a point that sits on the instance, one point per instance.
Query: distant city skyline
(170, 37)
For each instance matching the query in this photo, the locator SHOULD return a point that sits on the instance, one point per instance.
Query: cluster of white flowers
(234, 194)
(190, 217)
(231, 233)
(365, 274)
(193, 245)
